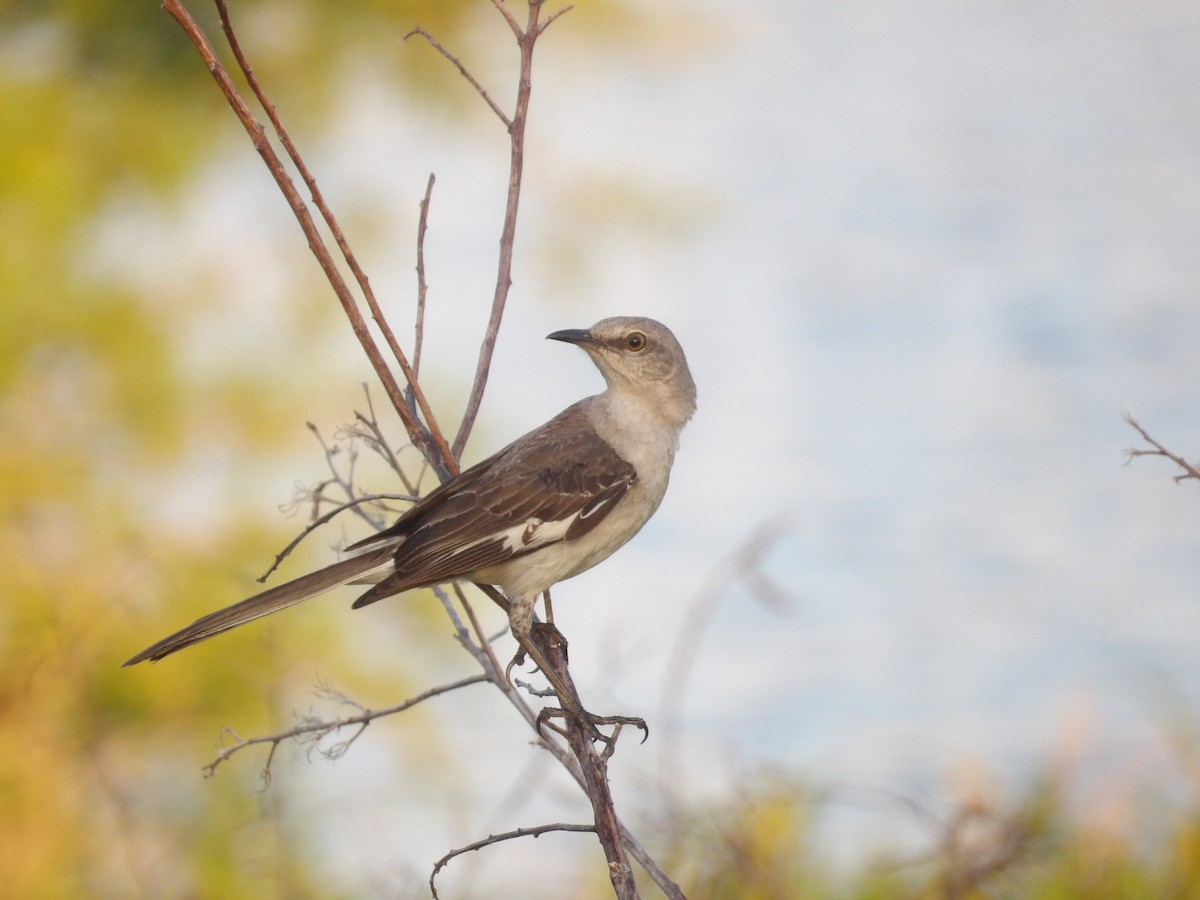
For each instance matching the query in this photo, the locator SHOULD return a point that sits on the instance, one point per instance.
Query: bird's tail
(267, 602)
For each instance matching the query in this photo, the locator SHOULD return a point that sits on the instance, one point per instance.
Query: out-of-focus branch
(422, 286)
(1189, 470)
(496, 839)
(744, 564)
(325, 518)
(314, 729)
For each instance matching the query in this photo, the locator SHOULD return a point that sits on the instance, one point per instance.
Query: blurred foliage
(1054, 841)
(100, 789)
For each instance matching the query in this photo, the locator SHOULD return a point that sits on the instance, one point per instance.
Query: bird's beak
(578, 336)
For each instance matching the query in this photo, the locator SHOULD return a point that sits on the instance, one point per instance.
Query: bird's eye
(635, 341)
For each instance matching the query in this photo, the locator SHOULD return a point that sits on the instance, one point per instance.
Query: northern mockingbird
(548, 506)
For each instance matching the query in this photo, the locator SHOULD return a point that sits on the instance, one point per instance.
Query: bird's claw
(571, 708)
(591, 723)
(518, 660)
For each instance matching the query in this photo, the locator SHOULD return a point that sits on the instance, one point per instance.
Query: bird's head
(640, 358)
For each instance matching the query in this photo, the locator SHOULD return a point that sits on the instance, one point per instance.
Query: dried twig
(422, 287)
(317, 729)
(496, 839)
(373, 437)
(343, 480)
(744, 564)
(1189, 470)
(323, 519)
(463, 71)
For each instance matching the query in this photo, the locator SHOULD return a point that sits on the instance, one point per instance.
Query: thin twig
(322, 728)
(321, 520)
(509, 18)
(374, 438)
(496, 839)
(345, 481)
(422, 287)
(552, 17)
(743, 564)
(493, 666)
(1189, 470)
(463, 71)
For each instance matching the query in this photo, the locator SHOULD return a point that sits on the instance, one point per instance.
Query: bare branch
(743, 564)
(321, 520)
(423, 437)
(554, 15)
(592, 766)
(316, 729)
(373, 438)
(462, 70)
(496, 839)
(516, 131)
(510, 18)
(422, 287)
(1189, 470)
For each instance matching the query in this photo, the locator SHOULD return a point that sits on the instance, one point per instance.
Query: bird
(550, 505)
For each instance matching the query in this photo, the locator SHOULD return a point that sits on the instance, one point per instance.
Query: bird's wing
(555, 484)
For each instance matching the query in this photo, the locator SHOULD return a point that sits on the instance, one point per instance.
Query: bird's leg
(521, 621)
(553, 663)
(525, 631)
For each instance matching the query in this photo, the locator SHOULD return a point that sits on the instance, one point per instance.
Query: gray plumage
(548, 506)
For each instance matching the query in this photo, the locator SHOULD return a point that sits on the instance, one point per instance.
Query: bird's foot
(572, 708)
(591, 724)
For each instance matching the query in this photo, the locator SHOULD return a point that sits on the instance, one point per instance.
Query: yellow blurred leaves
(105, 542)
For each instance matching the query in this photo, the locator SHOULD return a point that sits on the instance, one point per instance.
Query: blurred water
(955, 244)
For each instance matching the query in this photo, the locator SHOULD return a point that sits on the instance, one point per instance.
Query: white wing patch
(534, 533)
(522, 537)
(598, 505)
